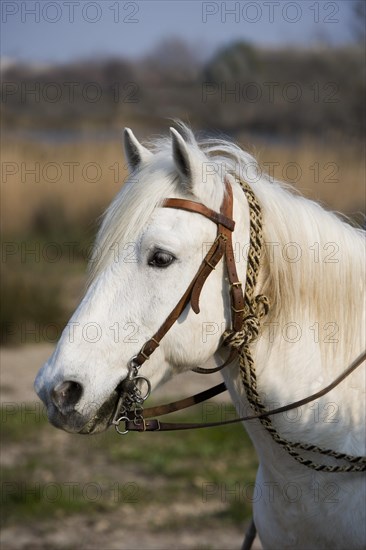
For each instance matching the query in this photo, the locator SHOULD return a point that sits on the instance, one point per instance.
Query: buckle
(142, 352)
(237, 283)
(208, 263)
(146, 357)
(140, 422)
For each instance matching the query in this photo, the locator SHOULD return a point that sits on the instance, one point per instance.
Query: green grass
(21, 422)
(30, 499)
(215, 465)
(206, 451)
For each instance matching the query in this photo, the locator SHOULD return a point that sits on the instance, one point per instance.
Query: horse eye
(160, 258)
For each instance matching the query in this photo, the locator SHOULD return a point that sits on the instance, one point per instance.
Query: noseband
(247, 310)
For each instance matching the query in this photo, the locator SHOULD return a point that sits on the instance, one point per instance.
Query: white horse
(312, 272)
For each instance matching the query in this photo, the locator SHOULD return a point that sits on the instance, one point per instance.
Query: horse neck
(313, 271)
(313, 274)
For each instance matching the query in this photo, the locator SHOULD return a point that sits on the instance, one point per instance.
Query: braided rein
(256, 307)
(248, 310)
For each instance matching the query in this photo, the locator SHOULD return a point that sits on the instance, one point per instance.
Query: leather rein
(129, 408)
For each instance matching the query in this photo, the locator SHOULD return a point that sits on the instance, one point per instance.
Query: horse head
(144, 259)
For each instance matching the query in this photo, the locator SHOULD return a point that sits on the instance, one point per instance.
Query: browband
(192, 206)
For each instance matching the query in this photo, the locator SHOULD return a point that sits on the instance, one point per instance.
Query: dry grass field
(77, 181)
(73, 181)
(53, 195)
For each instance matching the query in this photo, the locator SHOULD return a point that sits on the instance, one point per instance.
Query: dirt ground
(107, 529)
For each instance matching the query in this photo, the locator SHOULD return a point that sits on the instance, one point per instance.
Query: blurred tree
(282, 91)
(238, 61)
(359, 21)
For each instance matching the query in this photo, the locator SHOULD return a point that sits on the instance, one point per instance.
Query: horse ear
(135, 153)
(190, 162)
(181, 157)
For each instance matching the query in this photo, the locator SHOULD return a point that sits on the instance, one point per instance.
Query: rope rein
(255, 308)
(248, 310)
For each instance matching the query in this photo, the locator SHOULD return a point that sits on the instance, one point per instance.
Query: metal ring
(148, 386)
(133, 363)
(125, 418)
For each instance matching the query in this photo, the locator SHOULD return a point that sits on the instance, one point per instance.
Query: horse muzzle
(65, 411)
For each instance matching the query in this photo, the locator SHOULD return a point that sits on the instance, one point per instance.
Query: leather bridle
(130, 396)
(129, 408)
(221, 248)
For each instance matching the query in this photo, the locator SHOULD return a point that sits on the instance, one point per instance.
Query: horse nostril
(65, 395)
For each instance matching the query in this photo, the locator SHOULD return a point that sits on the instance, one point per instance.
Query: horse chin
(101, 420)
(94, 426)
(77, 423)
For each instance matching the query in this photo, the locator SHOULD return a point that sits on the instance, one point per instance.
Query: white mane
(326, 281)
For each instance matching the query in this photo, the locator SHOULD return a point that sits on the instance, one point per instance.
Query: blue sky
(61, 31)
